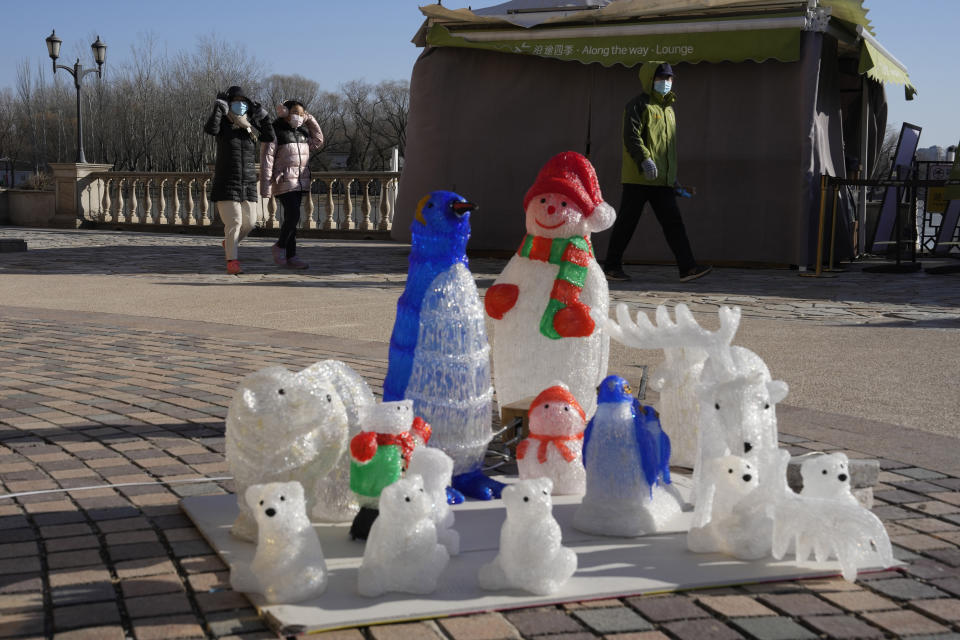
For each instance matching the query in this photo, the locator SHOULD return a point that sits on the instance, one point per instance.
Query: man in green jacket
(649, 174)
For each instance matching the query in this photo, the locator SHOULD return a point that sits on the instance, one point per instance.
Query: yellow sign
(936, 199)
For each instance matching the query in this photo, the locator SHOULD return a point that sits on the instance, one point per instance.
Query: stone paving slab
(90, 398)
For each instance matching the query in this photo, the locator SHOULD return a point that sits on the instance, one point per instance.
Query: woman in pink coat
(285, 173)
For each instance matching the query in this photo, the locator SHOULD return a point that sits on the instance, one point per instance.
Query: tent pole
(864, 164)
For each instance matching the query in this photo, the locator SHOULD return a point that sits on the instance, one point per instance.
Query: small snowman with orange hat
(554, 448)
(541, 302)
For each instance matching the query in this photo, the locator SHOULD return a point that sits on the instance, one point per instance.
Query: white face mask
(662, 86)
(296, 120)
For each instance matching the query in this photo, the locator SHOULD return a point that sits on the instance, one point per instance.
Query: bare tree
(881, 170)
(148, 114)
(394, 100)
(280, 88)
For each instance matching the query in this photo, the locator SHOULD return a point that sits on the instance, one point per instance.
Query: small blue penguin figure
(439, 353)
(627, 457)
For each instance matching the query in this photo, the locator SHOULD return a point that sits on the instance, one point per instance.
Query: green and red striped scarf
(573, 254)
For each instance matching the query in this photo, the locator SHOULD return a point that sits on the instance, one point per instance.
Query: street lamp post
(78, 73)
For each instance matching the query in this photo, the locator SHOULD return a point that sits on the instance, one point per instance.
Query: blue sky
(333, 41)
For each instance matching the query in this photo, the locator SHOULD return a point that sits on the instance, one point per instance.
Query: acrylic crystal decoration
(679, 405)
(335, 501)
(738, 421)
(402, 553)
(542, 300)
(288, 565)
(531, 556)
(282, 426)
(554, 448)
(737, 415)
(830, 528)
(439, 354)
(827, 475)
(381, 451)
(627, 457)
(733, 480)
(436, 469)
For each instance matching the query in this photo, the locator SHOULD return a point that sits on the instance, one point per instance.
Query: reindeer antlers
(667, 334)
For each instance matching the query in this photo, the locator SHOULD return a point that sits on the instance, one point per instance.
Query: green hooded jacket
(650, 131)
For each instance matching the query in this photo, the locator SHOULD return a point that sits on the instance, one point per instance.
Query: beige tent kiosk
(771, 93)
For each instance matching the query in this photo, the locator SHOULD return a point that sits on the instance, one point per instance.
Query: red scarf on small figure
(558, 442)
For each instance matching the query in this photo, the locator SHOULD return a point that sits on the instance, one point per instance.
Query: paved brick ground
(89, 400)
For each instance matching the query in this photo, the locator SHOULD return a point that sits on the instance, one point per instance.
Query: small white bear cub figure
(531, 557)
(827, 476)
(554, 448)
(402, 553)
(288, 566)
(436, 469)
(730, 480)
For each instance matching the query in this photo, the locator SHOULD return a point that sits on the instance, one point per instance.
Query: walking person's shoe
(695, 272)
(279, 256)
(233, 267)
(616, 275)
(296, 263)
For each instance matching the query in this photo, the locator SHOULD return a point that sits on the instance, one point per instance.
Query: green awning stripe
(781, 44)
(879, 67)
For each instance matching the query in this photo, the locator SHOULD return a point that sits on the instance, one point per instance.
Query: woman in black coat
(234, 121)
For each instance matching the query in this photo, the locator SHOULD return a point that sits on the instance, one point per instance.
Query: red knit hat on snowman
(571, 175)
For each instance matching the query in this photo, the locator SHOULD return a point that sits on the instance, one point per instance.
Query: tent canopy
(630, 32)
(497, 91)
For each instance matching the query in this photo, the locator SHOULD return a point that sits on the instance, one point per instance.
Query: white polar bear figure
(541, 302)
(554, 448)
(288, 566)
(827, 475)
(282, 426)
(402, 553)
(531, 556)
(335, 502)
(436, 469)
(731, 480)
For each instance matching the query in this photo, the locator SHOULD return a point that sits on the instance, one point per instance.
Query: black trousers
(664, 203)
(290, 202)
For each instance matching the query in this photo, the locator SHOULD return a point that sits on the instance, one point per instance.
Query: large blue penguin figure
(627, 457)
(439, 354)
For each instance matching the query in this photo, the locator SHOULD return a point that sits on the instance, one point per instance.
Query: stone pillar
(70, 179)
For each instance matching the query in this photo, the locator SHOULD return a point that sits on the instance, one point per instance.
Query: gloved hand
(649, 168)
(257, 111)
(222, 105)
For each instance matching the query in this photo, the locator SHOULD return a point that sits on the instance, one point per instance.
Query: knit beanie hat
(571, 175)
(558, 393)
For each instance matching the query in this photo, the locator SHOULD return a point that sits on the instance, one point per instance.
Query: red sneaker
(233, 267)
(297, 263)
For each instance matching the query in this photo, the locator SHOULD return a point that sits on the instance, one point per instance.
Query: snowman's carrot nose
(551, 209)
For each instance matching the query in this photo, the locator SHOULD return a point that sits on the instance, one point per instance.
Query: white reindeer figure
(737, 400)
(676, 380)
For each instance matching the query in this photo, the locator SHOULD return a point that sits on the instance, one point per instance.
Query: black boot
(362, 522)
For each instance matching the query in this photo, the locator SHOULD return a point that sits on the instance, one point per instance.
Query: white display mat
(607, 567)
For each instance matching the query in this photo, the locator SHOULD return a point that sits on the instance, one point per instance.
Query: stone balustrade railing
(338, 200)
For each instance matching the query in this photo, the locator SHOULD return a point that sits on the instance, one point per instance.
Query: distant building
(935, 153)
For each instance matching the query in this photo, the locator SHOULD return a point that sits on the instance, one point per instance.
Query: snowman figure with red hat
(542, 300)
(554, 448)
